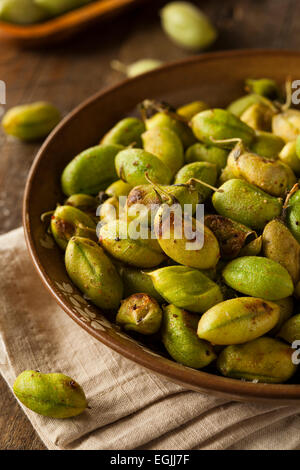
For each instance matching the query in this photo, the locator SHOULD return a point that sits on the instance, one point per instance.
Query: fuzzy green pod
(190, 109)
(203, 171)
(140, 252)
(166, 145)
(133, 164)
(263, 87)
(180, 338)
(182, 130)
(126, 132)
(58, 7)
(245, 203)
(220, 124)
(187, 26)
(21, 12)
(289, 156)
(91, 171)
(293, 215)
(196, 293)
(140, 313)
(93, 273)
(259, 277)
(239, 106)
(280, 245)
(118, 188)
(200, 152)
(265, 360)
(136, 281)
(267, 145)
(175, 244)
(290, 330)
(238, 320)
(52, 395)
(273, 177)
(31, 121)
(287, 125)
(68, 221)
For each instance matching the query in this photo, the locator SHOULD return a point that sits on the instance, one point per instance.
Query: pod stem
(288, 91)
(287, 199)
(151, 105)
(192, 182)
(235, 140)
(46, 214)
(119, 66)
(158, 189)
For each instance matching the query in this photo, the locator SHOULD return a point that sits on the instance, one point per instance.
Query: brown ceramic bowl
(216, 78)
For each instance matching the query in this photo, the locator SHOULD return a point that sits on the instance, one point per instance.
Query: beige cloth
(131, 408)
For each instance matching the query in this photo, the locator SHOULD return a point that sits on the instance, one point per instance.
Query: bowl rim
(192, 378)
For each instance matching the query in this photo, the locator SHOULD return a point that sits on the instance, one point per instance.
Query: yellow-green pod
(238, 320)
(53, 395)
(274, 365)
(140, 313)
(58, 7)
(197, 292)
(286, 310)
(118, 188)
(293, 215)
(280, 245)
(190, 252)
(258, 116)
(136, 280)
(259, 277)
(126, 132)
(220, 124)
(190, 109)
(263, 86)
(267, 145)
(239, 106)
(204, 171)
(68, 221)
(236, 196)
(273, 177)
(133, 164)
(31, 121)
(111, 209)
(187, 25)
(140, 252)
(252, 248)
(180, 338)
(166, 145)
(290, 330)
(226, 175)
(93, 273)
(287, 125)
(91, 171)
(83, 202)
(182, 130)
(289, 156)
(201, 152)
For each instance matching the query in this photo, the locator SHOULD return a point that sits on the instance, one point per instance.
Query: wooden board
(63, 26)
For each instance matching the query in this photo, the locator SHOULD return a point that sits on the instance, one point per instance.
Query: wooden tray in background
(63, 26)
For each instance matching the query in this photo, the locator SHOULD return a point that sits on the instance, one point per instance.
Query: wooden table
(68, 73)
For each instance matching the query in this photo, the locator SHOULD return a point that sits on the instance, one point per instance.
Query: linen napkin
(131, 408)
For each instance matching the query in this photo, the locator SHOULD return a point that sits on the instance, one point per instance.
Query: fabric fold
(131, 408)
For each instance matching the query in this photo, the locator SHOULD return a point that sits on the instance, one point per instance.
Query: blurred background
(67, 72)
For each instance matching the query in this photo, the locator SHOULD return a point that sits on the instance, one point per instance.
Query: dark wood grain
(68, 73)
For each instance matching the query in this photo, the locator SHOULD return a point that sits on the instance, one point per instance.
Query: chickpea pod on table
(233, 283)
